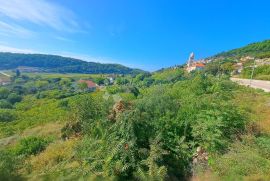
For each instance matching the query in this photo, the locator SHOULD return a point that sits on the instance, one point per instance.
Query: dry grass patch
(258, 107)
(49, 129)
(55, 157)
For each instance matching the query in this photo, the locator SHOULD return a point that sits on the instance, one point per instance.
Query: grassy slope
(4, 78)
(246, 159)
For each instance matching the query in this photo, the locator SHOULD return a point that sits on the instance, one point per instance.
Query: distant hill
(59, 64)
(258, 50)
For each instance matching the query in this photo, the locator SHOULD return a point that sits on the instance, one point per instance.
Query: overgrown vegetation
(169, 125)
(261, 72)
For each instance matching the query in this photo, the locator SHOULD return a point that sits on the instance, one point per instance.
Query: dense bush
(6, 115)
(31, 145)
(5, 104)
(9, 166)
(13, 98)
(137, 130)
(178, 118)
(4, 92)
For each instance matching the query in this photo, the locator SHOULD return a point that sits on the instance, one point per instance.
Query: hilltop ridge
(59, 64)
(257, 49)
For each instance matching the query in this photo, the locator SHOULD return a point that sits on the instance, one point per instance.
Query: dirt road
(4, 74)
(257, 84)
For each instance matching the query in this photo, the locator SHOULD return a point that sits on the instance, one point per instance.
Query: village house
(91, 86)
(238, 68)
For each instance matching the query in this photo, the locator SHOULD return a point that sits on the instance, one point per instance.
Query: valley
(139, 90)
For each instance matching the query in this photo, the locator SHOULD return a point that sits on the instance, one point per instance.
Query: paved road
(258, 84)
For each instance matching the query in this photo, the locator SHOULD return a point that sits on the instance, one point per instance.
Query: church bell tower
(191, 59)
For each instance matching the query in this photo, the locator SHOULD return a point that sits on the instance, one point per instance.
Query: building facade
(193, 65)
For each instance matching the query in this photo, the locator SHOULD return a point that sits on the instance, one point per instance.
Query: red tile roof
(90, 84)
(199, 65)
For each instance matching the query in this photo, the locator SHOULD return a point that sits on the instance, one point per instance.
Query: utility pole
(252, 73)
(219, 71)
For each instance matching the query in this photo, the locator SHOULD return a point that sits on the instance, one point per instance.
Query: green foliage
(127, 96)
(86, 110)
(64, 103)
(227, 67)
(5, 104)
(18, 73)
(254, 49)
(152, 164)
(261, 72)
(14, 98)
(71, 128)
(113, 89)
(32, 112)
(6, 115)
(4, 92)
(249, 158)
(158, 123)
(263, 55)
(169, 75)
(212, 68)
(83, 86)
(220, 66)
(121, 81)
(9, 166)
(178, 117)
(31, 145)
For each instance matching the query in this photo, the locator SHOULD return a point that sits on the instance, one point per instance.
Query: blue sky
(147, 34)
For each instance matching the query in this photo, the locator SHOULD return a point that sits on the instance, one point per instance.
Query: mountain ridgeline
(257, 50)
(59, 64)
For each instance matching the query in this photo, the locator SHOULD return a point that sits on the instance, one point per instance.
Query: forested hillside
(59, 64)
(259, 49)
(239, 62)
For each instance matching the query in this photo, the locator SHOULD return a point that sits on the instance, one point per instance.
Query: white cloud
(4, 48)
(39, 12)
(11, 29)
(63, 39)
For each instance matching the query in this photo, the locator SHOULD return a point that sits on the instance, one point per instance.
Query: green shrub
(5, 104)
(9, 167)
(31, 145)
(63, 103)
(13, 98)
(6, 115)
(4, 92)
(245, 159)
